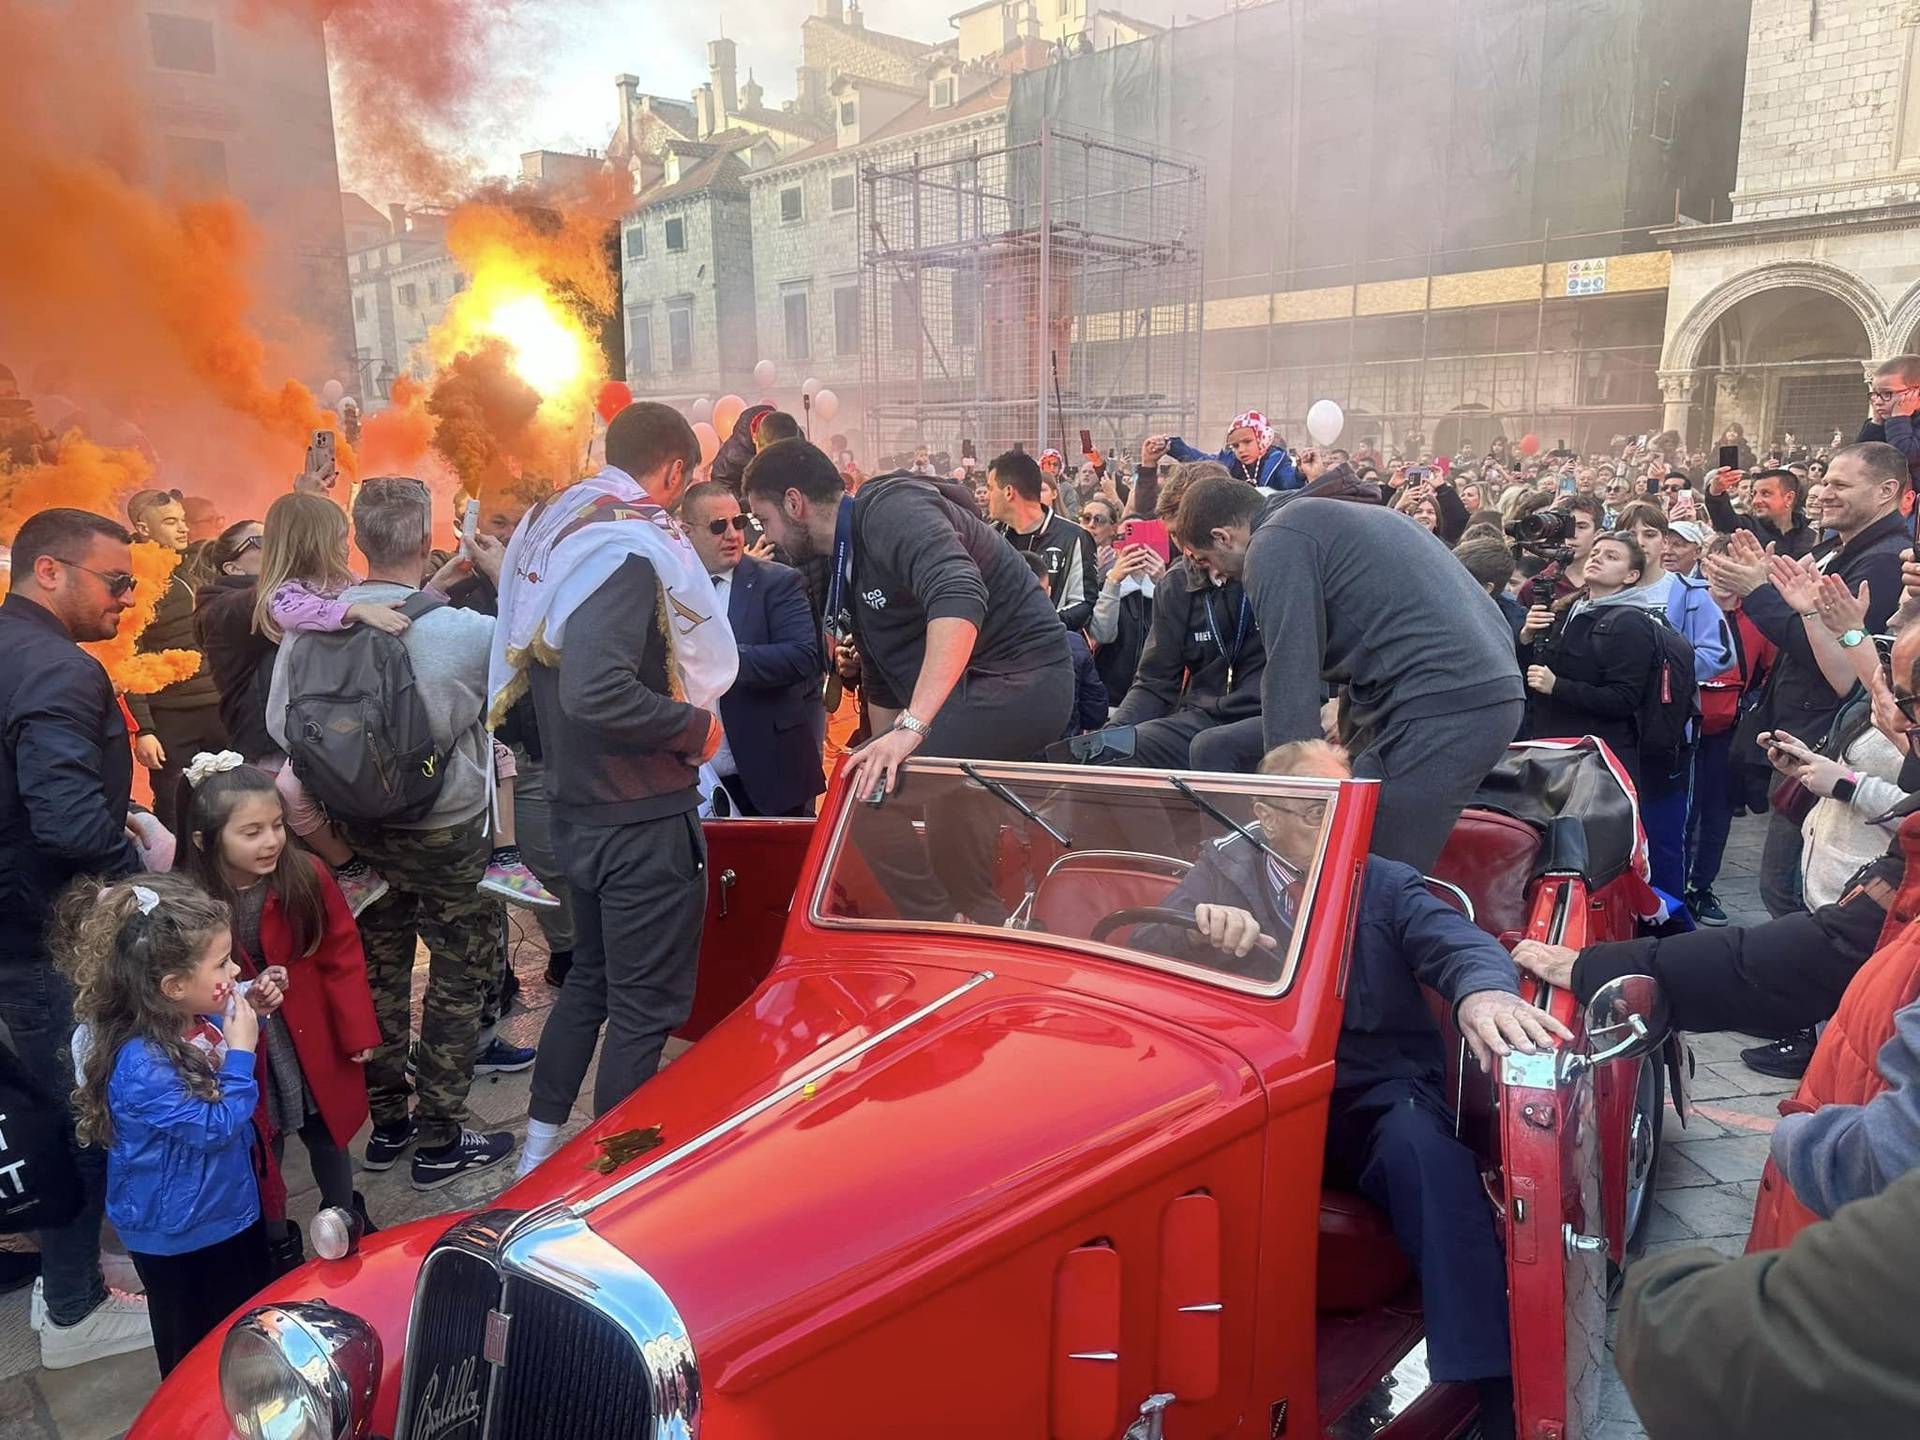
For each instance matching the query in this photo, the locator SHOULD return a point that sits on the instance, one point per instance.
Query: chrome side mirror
(1627, 1017)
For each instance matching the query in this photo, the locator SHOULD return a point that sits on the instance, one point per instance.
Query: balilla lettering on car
(930, 1177)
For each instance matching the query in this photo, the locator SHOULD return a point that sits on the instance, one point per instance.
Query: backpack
(1672, 699)
(39, 1185)
(357, 730)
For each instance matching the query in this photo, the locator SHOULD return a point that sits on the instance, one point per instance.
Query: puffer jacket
(1842, 1071)
(180, 1170)
(172, 629)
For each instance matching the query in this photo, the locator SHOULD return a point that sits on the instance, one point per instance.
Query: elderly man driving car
(1390, 1134)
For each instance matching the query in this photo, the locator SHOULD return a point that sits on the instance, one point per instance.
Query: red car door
(752, 868)
(1555, 1227)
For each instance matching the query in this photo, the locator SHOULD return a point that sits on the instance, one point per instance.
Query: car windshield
(1114, 860)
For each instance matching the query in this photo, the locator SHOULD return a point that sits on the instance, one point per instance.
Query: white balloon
(702, 412)
(1325, 421)
(764, 374)
(826, 404)
(332, 391)
(810, 388)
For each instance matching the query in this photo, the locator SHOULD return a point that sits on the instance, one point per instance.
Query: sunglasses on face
(720, 527)
(118, 582)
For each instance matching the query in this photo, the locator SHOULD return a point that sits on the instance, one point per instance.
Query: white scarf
(569, 547)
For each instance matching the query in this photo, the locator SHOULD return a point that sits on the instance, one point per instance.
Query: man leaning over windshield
(1390, 1134)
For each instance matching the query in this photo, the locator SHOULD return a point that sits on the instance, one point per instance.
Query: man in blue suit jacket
(773, 718)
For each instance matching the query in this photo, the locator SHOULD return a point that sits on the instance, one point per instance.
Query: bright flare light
(547, 352)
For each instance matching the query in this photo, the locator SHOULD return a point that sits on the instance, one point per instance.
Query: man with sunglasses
(772, 720)
(66, 774)
(177, 722)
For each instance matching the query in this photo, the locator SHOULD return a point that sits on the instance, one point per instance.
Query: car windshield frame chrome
(1154, 782)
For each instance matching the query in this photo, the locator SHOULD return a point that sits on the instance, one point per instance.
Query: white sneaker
(117, 1326)
(120, 1275)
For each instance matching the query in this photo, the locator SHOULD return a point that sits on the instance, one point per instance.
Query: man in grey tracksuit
(1358, 598)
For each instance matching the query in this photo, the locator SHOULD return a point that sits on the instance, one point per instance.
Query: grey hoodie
(1842, 1153)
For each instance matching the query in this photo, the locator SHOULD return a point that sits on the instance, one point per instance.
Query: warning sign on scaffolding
(1587, 277)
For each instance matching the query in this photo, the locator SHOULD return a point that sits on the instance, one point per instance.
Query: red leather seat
(1492, 857)
(1360, 1264)
(1086, 886)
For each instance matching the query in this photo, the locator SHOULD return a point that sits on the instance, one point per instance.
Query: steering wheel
(1141, 915)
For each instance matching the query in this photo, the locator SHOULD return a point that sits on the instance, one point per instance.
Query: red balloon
(1529, 444)
(615, 396)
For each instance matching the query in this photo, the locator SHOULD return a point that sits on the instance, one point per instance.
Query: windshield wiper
(1249, 833)
(994, 787)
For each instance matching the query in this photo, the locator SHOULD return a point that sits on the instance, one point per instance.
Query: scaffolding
(1016, 294)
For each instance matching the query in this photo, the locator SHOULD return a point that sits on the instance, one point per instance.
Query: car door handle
(727, 881)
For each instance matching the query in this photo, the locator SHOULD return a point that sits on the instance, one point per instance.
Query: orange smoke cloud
(142, 674)
(85, 476)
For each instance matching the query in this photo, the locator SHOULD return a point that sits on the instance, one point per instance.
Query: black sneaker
(1705, 906)
(501, 1058)
(386, 1146)
(558, 964)
(1783, 1059)
(471, 1152)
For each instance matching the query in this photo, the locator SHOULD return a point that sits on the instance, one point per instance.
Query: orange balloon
(726, 411)
(709, 441)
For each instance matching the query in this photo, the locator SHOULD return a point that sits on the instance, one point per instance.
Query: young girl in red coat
(288, 913)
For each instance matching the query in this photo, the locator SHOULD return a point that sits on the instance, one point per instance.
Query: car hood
(1009, 1099)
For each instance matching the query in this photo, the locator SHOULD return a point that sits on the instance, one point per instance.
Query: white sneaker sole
(452, 1175)
(514, 897)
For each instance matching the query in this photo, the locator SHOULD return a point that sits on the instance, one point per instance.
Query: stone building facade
(1775, 313)
(401, 284)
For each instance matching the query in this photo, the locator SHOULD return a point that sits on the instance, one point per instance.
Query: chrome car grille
(530, 1327)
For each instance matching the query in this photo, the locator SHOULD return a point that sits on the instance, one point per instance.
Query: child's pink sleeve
(295, 607)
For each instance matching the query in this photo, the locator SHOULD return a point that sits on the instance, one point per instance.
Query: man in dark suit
(773, 718)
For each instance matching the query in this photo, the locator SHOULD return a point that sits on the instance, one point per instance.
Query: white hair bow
(205, 764)
(146, 899)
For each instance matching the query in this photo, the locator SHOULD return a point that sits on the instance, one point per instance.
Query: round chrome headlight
(300, 1371)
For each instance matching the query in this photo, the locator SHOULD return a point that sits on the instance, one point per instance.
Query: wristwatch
(907, 720)
(1845, 786)
(1850, 638)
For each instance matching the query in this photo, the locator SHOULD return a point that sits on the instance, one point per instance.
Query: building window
(639, 343)
(846, 320)
(680, 334)
(359, 307)
(636, 242)
(1066, 7)
(433, 292)
(840, 192)
(943, 93)
(459, 283)
(848, 110)
(966, 309)
(792, 205)
(793, 306)
(906, 318)
(195, 163)
(410, 296)
(676, 235)
(180, 42)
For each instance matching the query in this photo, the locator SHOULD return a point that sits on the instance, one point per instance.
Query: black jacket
(66, 775)
(1072, 566)
(239, 662)
(1797, 697)
(1600, 679)
(1190, 650)
(172, 629)
(1795, 542)
(1403, 938)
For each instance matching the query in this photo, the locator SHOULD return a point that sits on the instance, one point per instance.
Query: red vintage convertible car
(928, 1177)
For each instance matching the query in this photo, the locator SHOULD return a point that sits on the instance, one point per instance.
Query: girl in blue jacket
(166, 1069)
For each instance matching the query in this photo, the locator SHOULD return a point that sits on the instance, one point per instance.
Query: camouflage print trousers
(432, 875)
